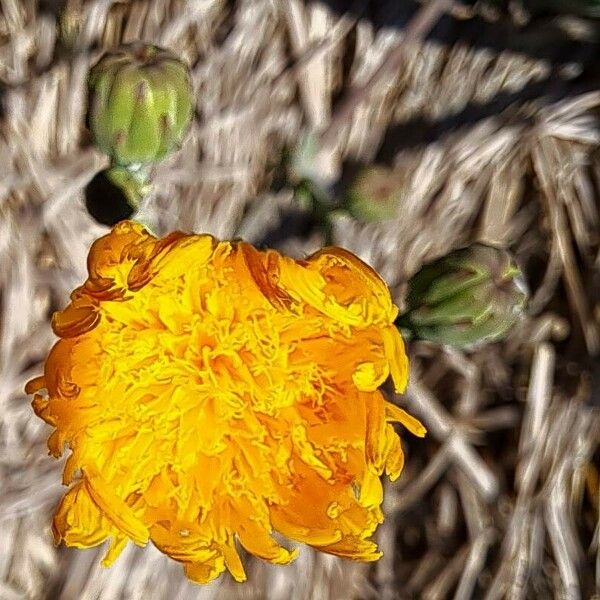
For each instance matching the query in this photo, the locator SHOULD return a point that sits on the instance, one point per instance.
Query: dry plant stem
(502, 206)
(386, 540)
(523, 544)
(538, 395)
(562, 535)
(546, 289)
(448, 510)
(314, 83)
(481, 534)
(304, 52)
(555, 438)
(560, 231)
(479, 525)
(596, 546)
(476, 514)
(474, 565)
(443, 583)
(559, 513)
(470, 398)
(503, 417)
(312, 91)
(426, 479)
(418, 28)
(432, 563)
(443, 427)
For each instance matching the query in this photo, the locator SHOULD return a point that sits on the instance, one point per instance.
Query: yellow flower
(213, 394)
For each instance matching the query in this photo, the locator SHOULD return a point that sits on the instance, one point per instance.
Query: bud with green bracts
(467, 298)
(375, 194)
(140, 104)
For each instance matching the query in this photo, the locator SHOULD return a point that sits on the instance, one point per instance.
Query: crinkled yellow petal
(375, 428)
(394, 461)
(398, 361)
(116, 510)
(353, 283)
(233, 561)
(78, 520)
(371, 490)
(396, 414)
(117, 546)
(306, 451)
(259, 542)
(368, 376)
(35, 385)
(355, 549)
(205, 572)
(176, 539)
(75, 320)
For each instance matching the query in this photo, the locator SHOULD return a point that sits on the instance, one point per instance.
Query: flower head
(213, 394)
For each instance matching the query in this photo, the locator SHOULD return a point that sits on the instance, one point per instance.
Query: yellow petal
(396, 355)
(232, 561)
(350, 279)
(117, 546)
(258, 541)
(114, 508)
(375, 439)
(354, 549)
(368, 376)
(78, 521)
(371, 490)
(307, 535)
(395, 414)
(35, 385)
(306, 451)
(394, 461)
(205, 572)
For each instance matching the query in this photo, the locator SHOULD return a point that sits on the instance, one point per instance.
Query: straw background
(495, 127)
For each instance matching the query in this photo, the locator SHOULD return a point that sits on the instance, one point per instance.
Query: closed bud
(375, 194)
(467, 298)
(140, 104)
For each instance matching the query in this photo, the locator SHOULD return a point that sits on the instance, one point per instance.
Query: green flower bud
(140, 104)
(375, 194)
(466, 298)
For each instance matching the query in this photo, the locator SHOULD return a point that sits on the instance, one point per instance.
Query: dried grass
(501, 500)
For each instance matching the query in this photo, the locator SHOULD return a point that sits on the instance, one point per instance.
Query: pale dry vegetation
(495, 129)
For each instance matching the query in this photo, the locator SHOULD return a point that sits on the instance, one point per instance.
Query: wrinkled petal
(78, 520)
